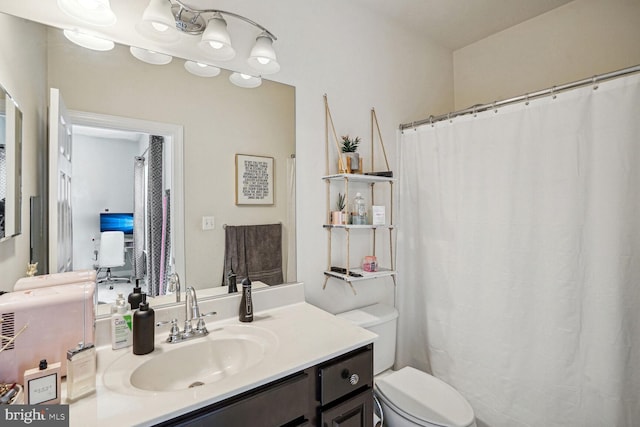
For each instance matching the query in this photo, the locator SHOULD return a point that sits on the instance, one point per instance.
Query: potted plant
(339, 216)
(349, 149)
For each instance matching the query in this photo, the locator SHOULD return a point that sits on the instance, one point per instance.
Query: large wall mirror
(10, 166)
(216, 121)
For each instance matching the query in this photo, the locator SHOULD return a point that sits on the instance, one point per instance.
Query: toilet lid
(426, 398)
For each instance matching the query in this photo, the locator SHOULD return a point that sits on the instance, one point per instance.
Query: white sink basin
(225, 352)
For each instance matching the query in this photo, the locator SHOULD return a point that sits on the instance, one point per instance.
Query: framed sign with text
(254, 180)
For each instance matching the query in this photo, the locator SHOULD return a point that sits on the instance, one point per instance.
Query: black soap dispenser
(246, 305)
(135, 297)
(144, 320)
(231, 280)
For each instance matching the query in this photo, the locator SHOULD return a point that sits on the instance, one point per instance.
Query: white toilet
(408, 397)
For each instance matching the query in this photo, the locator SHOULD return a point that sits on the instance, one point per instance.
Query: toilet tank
(380, 319)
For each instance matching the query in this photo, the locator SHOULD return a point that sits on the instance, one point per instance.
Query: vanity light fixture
(201, 70)
(88, 41)
(210, 24)
(149, 56)
(94, 12)
(245, 80)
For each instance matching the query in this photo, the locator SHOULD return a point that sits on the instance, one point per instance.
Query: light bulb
(159, 27)
(263, 61)
(245, 76)
(216, 45)
(89, 4)
(200, 64)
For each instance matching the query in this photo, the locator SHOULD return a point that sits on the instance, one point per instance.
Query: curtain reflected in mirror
(158, 224)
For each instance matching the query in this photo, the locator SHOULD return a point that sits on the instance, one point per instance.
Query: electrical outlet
(208, 223)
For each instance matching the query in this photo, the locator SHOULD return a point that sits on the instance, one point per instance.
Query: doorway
(107, 148)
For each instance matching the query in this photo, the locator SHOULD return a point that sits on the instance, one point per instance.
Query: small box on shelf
(378, 215)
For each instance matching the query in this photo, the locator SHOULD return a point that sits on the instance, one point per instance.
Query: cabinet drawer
(345, 376)
(275, 405)
(355, 412)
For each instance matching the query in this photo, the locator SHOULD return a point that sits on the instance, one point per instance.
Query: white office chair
(111, 255)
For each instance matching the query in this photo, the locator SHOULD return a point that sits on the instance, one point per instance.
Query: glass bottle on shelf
(359, 215)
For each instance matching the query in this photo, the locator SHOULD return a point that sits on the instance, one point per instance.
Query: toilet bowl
(408, 397)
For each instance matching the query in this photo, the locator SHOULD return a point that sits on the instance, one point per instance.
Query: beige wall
(573, 42)
(28, 89)
(219, 121)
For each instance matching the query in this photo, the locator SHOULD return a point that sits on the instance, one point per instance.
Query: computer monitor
(116, 222)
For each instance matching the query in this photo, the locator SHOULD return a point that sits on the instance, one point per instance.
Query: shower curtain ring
(495, 110)
(594, 80)
(527, 100)
(431, 120)
(553, 90)
(449, 117)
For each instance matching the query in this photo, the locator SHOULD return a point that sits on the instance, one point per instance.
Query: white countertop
(305, 336)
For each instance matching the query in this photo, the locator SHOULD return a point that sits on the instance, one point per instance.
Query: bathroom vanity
(335, 393)
(294, 365)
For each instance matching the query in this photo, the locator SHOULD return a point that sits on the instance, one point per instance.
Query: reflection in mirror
(10, 166)
(219, 120)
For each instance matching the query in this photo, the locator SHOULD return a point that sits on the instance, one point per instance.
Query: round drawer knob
(353, 379)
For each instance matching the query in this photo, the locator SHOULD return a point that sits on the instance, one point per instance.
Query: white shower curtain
(519, 258)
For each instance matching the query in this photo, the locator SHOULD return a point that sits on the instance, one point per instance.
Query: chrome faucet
(191, 313)
(174, 285)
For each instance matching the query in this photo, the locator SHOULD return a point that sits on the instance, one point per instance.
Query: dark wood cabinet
(345, 390)
(355, 412)
(336, 393)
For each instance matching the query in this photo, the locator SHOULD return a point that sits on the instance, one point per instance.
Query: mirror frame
(13, 142)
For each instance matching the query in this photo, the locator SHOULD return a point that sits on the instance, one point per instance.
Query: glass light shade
(149, 56)
(262, 57)
(88, 41)
(216, 40)
(201, 70)
(158, 16)
(245, 80)
(95, 12)
(147, 30)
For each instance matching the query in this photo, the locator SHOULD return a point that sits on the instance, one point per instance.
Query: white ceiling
(451, 23)
(458, 23)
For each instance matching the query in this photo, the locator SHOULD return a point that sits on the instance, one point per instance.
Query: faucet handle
(174, 333)
(174, 322)
(201, 326)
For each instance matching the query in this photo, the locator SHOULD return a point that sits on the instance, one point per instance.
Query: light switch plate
(208, 223)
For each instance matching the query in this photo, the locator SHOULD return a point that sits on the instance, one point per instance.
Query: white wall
(572, 42)
(29, 90)
(103, 179)
(361, 61)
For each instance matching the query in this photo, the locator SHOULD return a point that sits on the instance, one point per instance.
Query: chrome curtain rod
(529, 96)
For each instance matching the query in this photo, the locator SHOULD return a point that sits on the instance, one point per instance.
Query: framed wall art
(254, 180)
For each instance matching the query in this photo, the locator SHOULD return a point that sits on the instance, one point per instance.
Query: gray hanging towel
(254, 251)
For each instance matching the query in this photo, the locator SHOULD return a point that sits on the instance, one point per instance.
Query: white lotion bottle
(121, 324)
